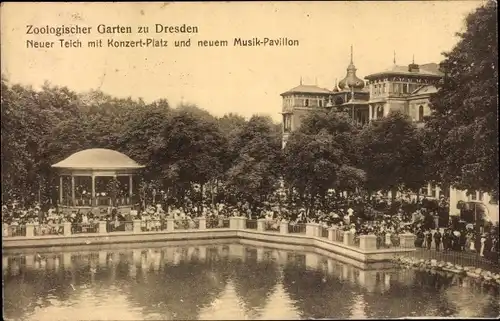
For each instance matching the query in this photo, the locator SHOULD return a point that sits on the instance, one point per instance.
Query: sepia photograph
(249, 160)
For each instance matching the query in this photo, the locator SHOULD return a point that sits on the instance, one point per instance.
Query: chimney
(413, 67)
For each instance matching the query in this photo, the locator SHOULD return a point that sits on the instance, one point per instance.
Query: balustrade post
(30, 230)
(234, 223)
(332, 234)
(284, 227)
(202, 221)
(368, 242)
(407, 241)
(348, 238)
(67, 228)
(137, 226)
(312, 229)
(170, 224)
(243, 222)
(261, 225)
(103, 229)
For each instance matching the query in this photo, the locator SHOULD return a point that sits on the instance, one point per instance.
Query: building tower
(351, 97)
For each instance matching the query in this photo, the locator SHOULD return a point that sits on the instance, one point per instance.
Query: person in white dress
(483, 241)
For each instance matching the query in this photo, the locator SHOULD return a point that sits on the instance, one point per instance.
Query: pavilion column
(130, 188)
(370, 112)
(60, 190)
(130, 185)
(93, 201)
(73, 190)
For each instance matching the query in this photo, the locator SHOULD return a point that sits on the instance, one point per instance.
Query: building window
(287, 123)
(396, 88)
(480, 196)
(320, 103)
(494, 199)
(471, 195)
(306, 103)
(433, 190)
(420, 113)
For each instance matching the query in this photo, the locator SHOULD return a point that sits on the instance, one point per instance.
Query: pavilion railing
(103, 201)
(83, 202)
(122, 201)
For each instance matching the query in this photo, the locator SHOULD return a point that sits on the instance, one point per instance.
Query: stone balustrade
(335, 235)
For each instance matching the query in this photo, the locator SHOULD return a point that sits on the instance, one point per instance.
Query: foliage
(256, 167)
(463, 125)
(321, 155)
(392, 154)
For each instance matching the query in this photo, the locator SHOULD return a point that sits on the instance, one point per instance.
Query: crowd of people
(348, 213)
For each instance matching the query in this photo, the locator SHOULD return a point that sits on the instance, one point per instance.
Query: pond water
(223, 281)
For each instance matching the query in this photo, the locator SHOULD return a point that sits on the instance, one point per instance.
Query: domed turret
(351, 80)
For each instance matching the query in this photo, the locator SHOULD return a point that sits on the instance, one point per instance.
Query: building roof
(430, 69)
(98, 158)
(307, 89)
(424, 90)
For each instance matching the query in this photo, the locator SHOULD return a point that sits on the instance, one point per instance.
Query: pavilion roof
(98, 158)
(307, 89)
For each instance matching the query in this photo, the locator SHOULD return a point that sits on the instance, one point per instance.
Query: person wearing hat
(437, 239)
(428, 239)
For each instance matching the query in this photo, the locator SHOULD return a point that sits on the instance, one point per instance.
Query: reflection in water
(226, 281)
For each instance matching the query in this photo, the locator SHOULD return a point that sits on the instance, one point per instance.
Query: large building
(406, 88)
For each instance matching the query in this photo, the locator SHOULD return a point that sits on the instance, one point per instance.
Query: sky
(243, 80)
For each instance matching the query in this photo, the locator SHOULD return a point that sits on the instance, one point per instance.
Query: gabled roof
(307, 89)
(430, 70)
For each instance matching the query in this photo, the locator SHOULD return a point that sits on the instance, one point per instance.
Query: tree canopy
(463, 126)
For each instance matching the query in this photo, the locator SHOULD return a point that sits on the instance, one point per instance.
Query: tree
(328, 140)
(231, 126)
(392, 154)
(337, 124)
(191, 150)
(255, 171)
(311, 165)
(463, 125)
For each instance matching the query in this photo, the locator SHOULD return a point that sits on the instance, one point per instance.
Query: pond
(223, 280)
